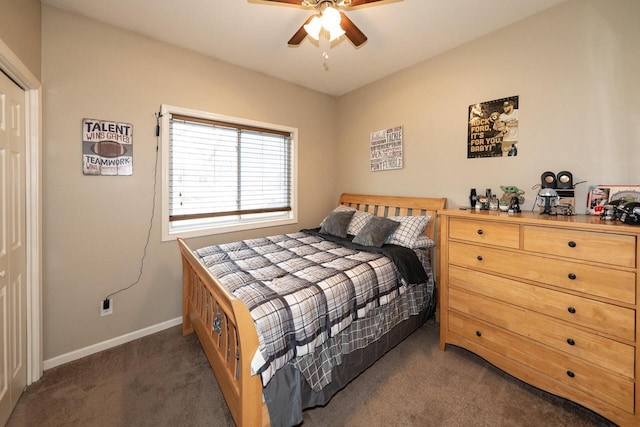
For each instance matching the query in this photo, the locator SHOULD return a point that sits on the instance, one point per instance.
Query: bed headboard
(397, 206)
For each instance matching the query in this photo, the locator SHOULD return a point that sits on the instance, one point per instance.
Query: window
(224, 174)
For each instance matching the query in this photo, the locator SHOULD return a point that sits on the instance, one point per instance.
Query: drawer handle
(572, 244)
(572, 276)
(478, 333)
(479, 257)
(571, 374)
(571, 310)
(480, 231)
(571, 342)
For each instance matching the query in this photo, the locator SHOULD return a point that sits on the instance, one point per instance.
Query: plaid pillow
(423, 242)
(411, 227)
(359, 220)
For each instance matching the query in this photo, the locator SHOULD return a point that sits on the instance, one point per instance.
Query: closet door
(13, 372)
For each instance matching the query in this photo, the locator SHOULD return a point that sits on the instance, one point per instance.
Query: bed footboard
(227, 333)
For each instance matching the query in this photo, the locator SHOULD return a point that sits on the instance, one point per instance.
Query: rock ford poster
(107, 147)
(386, 149)
(493, 128)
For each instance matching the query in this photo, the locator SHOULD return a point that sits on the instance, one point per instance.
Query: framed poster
(386, 149)
(107, 147)
(493, 128)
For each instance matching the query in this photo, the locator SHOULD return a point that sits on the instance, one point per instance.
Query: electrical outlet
(106, 307)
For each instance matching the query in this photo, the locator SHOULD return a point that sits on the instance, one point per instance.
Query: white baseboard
(104, 345)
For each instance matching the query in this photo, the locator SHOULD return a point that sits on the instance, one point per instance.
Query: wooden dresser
(550, 300)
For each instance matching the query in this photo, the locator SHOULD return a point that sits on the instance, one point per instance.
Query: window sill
(169, 235)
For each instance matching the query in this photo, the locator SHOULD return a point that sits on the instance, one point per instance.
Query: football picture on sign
(107, 147)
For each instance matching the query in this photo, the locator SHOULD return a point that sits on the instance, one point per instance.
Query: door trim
(11, 65)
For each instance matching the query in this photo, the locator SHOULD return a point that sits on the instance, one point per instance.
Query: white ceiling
(254, 33)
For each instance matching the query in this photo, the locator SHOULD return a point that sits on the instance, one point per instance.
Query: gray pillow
(377, 230)
(337, 223)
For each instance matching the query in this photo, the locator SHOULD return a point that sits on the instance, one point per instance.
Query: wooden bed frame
(231, 340)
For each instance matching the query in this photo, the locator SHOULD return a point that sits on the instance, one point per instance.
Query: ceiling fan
(334, 22)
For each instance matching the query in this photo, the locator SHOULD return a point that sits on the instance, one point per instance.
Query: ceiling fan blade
(361, 2)
(298, 2)
(300, 34)
(354, 34)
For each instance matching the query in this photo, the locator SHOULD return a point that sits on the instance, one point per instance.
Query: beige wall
(576, 69)
(20, 30)
(95, 227)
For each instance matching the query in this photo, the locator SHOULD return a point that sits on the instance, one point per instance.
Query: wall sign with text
(493, 128)
(107, 147)
(386, 149)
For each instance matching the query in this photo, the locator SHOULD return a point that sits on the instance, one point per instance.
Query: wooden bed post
(252, 410)
(187, 327)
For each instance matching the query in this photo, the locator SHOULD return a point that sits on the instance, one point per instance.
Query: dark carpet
(165, 380)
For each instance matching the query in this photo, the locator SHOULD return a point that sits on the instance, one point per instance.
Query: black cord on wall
(106, 302)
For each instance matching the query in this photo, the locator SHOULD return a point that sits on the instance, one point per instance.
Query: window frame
(172, 233)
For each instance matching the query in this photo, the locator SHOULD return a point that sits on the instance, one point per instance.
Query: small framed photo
(600, 195)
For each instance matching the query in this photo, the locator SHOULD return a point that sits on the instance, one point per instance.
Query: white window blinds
(219, 169)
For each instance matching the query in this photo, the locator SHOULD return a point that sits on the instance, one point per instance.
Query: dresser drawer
(490, 233)
(604, 282)
(604, 352)
(614, 249)
(572, 371)
(607, 318)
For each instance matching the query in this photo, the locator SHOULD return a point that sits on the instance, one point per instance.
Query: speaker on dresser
(564, 180)
(548, 180)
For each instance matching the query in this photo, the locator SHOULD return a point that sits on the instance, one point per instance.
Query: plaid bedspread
(301, 290)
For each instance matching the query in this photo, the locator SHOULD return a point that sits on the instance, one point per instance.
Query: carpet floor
(165, 380)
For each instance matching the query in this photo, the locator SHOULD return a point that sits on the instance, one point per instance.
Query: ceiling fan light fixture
(333, 23)
(335, 33)
(330, 19)
(313, 28)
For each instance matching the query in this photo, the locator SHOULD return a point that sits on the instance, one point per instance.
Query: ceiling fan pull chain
(325, 47)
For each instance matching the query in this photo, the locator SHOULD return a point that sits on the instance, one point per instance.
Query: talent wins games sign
(107, 147)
